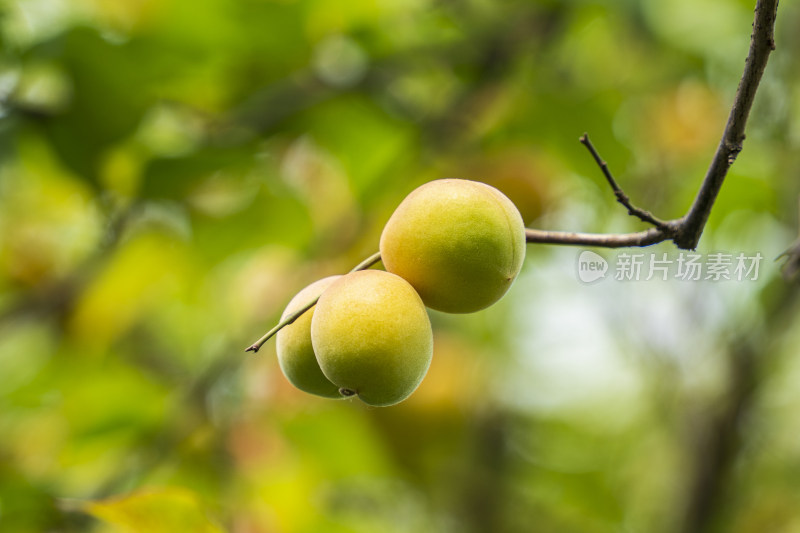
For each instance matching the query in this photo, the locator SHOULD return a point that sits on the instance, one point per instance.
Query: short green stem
(363, 265)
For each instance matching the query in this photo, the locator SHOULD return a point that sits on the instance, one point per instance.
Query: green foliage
(172, 172)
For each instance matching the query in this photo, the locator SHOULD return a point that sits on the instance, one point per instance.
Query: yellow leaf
(155, 511)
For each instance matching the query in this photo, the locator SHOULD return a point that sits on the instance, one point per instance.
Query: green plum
(372, 336)
(459, 243)
(295, 351)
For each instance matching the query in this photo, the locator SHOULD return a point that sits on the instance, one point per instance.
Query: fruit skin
(372, 336)
(459, 243)
(295, 351)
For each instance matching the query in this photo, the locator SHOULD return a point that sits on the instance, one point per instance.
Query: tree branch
(641, 214)
(762, 42)
(685, 231)
(604, 240)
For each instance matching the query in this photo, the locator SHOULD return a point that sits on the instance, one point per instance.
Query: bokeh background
(173, 171)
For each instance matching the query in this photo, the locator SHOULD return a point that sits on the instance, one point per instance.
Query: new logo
(591, 267)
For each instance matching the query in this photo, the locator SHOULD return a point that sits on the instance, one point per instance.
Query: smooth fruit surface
(459, 243)
(295, 351)
(372, 336)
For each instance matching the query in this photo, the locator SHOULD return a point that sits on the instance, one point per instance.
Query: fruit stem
(368, 262)
(282, 324)
(363, 265)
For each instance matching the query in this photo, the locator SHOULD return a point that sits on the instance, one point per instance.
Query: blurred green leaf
(155, 511)
(172, 171)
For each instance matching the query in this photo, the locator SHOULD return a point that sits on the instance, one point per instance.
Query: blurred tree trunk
(720, 431)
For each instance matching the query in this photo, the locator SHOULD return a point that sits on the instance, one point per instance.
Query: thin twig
(641, 214)
(363, 265)
(791, 265)
(282, 324)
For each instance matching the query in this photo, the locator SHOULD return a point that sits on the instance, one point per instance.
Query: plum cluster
(451, 245)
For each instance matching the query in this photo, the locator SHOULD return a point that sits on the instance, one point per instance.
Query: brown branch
(762, 42)
(641, 214)
(685, 231)
(604, 240)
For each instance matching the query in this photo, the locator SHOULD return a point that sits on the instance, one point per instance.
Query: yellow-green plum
(372, 336)
(295, 351)
(459, 243)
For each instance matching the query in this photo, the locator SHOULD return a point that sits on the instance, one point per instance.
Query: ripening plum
(295, 351)
(459, 243)
(372, 336)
